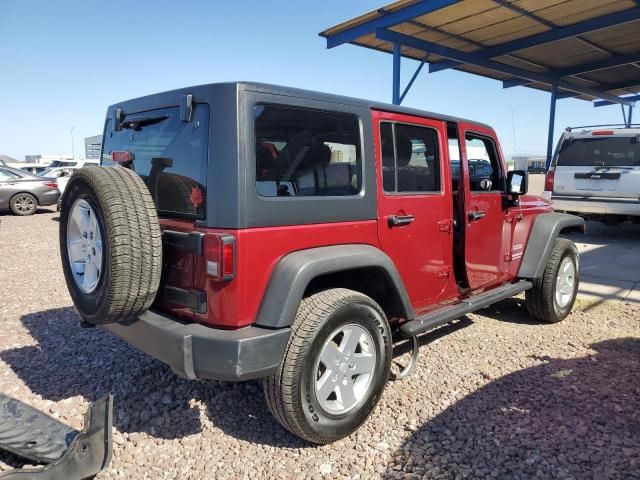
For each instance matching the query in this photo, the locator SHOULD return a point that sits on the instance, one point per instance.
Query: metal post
(73, 150)
(629, 119)
(396, 74)
(624, 116)
(552, 121)
(413, 79)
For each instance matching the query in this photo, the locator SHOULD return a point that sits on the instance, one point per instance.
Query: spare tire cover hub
(84, 245)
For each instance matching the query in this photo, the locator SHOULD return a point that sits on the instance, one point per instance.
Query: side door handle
(399, 220)
(476, 215)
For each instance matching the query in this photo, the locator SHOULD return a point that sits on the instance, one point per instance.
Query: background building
(92, 147)
(529, 162)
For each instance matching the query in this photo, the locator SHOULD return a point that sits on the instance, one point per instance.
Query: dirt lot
(495, 395)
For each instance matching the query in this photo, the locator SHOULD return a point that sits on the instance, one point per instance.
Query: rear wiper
(607, 167)
(136, 123)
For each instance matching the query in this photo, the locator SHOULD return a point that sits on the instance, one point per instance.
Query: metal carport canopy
(586, 49)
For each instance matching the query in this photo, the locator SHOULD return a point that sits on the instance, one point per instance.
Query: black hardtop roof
(158, 100)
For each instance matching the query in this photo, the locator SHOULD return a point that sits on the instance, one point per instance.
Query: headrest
(405, 149)
(318, 155)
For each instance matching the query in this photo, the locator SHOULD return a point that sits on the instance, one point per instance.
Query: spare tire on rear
(110, 244)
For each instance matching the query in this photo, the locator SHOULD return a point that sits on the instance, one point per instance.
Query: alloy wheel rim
(24, 204)
(84, 245)
(345, 368)
(565, 282)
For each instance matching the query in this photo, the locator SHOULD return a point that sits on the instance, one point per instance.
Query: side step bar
(433, 319)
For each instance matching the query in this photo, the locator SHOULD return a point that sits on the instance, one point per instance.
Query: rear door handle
(476, 215)
(399, 220)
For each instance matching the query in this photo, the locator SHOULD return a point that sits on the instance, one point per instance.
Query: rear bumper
(194, 351)
(594, 205)
(50, 197)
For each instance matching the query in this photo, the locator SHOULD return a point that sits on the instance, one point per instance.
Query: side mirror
(517, 183)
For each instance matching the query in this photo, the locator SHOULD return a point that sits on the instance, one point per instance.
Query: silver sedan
(22, 192)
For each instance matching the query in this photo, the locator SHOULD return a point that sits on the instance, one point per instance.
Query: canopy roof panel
(590, 48)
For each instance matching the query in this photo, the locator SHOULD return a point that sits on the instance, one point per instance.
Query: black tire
(23, 204)
(541, 299)
(289, 392)
(132, 244)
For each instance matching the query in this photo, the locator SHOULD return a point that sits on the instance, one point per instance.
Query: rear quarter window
(168, 154)
(306, 152)
(600, 152)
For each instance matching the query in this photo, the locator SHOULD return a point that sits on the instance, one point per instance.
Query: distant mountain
(8, 159)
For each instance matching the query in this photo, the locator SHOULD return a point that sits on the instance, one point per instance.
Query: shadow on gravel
(39, 210)
(510, 310)
(577, 418)
(69, 361)
(402, 345)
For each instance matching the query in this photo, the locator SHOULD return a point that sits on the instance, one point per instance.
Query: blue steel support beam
(633, 85)
(524, 13)
(514, 82)
(630, 117)
(399, 16)
(604, 103)
(471, 59)
(552, 122)
(396, 74)
(624, 116)
(548, 36)
(616, 61)
(413, 79)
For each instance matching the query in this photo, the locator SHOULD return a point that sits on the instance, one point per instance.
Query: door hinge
(444, 272)
(507, 257)
(445, 225)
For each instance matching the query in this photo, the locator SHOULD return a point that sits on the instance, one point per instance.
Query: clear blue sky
(63, 62)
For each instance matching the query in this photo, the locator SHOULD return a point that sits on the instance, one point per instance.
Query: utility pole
(73, 150)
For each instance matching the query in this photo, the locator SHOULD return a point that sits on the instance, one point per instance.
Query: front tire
(23, 204)
(335, 367)
(553, 295)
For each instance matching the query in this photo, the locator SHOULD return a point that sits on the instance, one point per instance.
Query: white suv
(596, 174)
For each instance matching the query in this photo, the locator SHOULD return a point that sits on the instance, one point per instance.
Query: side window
(169, 155)
(303, 152)
(484, 166)
(7, 175)
(410, 158)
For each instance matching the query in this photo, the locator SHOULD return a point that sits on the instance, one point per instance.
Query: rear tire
(110, 244)
(553, 295)
(23, 204)
(320, 403)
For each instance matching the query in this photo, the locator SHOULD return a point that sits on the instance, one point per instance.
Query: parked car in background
(479, 169)
(35, 169)
(71, 163)
(536, 170)
(596, 174)
(22, 192)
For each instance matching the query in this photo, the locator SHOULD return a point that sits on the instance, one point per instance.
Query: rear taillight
(548, 180)
(50, 184)
(122, 156)
(220, 255)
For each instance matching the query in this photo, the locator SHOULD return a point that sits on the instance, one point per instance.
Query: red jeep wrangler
(239, 231)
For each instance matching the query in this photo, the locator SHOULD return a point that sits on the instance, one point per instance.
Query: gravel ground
(495, 395)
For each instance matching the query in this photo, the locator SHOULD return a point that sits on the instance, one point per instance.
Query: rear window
(600, 152)
(169, 155)
(303, 152)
